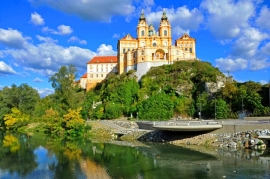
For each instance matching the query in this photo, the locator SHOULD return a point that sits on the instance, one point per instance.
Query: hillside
(163, 93)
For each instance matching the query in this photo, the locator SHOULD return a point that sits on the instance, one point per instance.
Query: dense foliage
(181, 89)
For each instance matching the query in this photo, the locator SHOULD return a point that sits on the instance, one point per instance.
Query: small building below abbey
(151, 48)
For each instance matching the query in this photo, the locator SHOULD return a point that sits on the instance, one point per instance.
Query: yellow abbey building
(151, 48)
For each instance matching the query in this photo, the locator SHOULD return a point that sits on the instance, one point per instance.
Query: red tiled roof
(84, 76)
(103, 59)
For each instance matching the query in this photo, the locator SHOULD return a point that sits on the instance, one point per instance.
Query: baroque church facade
(151, 48)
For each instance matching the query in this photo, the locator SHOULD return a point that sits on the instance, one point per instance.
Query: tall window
(165, 32)
(142, 33)
(190, 50)
(124, 50)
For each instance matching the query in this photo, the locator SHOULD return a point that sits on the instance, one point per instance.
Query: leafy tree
(73, 123)
(66, 90)
(90, 98)
(158, 107)
(97, 113)
(113, 110)
(15, 119)
(22, 97)
(221, 108)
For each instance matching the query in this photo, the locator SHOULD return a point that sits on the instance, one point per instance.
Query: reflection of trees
(68, 155)
(120, 161)
(16, 156)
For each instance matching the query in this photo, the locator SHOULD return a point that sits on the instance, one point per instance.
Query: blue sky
(37, 37)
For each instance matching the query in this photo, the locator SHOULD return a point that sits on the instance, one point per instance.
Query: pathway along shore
(234, 134)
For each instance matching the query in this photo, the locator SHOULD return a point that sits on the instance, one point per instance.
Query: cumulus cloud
(38, 80)
(263, 19)
(76, 39)
(246, 46)
(47, 57)
(182, 19)
(228, 64)
(36, 19)
(258, 64)
(6, 69)
(105, 50)
(61, 30)
(90, 10)
(226, 18)
(12, 38)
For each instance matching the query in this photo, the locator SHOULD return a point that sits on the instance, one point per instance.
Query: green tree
(220, 107)
(73, 123)
(66, 90)
(158, 107)
(15, 119)
(90, 98)
(22, 97)
(113, 110)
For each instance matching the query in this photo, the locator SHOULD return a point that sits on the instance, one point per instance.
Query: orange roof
(103, 59)
(84, 76)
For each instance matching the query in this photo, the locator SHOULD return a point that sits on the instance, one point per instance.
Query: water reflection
(27, 157)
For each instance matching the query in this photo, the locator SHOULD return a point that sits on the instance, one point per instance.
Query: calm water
(26, 157)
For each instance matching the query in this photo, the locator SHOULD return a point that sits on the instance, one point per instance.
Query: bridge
(201, 125)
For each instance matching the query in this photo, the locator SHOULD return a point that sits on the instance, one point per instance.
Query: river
(26, 157)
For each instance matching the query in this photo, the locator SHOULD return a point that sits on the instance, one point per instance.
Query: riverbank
(245, 139)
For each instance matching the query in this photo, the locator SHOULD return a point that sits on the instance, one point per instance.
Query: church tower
(165, 31)
(142, 30)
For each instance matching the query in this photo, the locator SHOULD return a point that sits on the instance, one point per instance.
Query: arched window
(165, 32)
(154, 44)
(142, 33)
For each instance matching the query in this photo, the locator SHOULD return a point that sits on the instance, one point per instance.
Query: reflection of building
(151, 48)
(93, 170)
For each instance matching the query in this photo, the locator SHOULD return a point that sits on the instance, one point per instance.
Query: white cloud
(12, 38)
(89, 9)
(105, 50)
(46, 39)
(76, 39)
(258, 64)
(116, 36)
(38, 80)
(64, 30)
(6, 69)
(266, 49)
(182, 19)
(227, 18)
(43, 92)
(263, 19)
(47, 57)
(36, 19)
(246, 46)
(61, 30)
(227, 64)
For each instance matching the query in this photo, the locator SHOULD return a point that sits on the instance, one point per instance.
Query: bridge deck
(187, 125)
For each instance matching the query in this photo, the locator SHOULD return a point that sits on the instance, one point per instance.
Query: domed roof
(151, 27)
(142, 17)
(164, 16)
